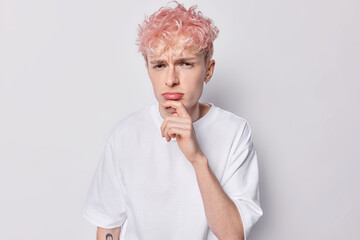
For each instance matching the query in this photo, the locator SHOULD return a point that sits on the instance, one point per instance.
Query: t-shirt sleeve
(241, 179)
(105, 205)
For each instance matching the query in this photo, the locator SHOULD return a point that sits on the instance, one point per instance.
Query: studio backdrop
(70, 70)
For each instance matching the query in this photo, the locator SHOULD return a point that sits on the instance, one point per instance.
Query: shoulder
(132, 121)
(232, 121)
(236, 127)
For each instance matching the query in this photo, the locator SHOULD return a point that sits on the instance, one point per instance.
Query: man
(179, 169)
(109, 236)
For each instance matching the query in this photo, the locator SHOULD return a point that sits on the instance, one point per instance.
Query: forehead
(174, 54)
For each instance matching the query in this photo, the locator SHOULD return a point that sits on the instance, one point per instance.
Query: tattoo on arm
(109, 236)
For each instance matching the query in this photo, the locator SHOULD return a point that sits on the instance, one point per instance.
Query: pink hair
(177, 26)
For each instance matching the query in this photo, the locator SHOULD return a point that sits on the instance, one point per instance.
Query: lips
(173, 95)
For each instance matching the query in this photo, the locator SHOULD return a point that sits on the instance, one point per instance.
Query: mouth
(173, 96)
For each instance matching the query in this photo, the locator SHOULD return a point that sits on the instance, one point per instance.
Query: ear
(210, 71)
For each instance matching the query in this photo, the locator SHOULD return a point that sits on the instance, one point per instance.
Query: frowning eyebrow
(161, 61)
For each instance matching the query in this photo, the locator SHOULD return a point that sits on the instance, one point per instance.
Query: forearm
(221, 212)
(102, 233)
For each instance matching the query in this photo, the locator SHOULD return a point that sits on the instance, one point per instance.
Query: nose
(172, 78)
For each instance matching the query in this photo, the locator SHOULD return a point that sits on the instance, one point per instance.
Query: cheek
(194, 78)
(157, 77)
(154, 80)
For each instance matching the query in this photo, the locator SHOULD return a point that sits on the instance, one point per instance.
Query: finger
(175, 125)
(179, 107)
(172, 119)
(163, 125)
(177, 131)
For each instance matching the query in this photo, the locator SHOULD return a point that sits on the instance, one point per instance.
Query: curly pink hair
(178, 27)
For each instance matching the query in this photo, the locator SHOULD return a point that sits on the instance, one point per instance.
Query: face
(181, 72)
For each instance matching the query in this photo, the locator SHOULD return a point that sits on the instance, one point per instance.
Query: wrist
(200, 161)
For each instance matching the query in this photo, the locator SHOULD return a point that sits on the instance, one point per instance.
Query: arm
(102, 233)
(221, 212)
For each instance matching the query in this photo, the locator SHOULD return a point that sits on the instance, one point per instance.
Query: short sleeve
(105, 205)
(241, 179)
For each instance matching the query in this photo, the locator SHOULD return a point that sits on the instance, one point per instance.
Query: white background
(70, 71)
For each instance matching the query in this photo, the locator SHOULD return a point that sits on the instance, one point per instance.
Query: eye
(158, 66)
(187, 64)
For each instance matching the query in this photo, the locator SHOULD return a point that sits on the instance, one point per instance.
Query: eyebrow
(161, 61)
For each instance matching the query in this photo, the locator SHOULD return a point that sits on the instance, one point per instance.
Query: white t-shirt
(146, 185)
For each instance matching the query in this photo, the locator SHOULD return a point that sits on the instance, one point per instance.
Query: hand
(179, 125)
